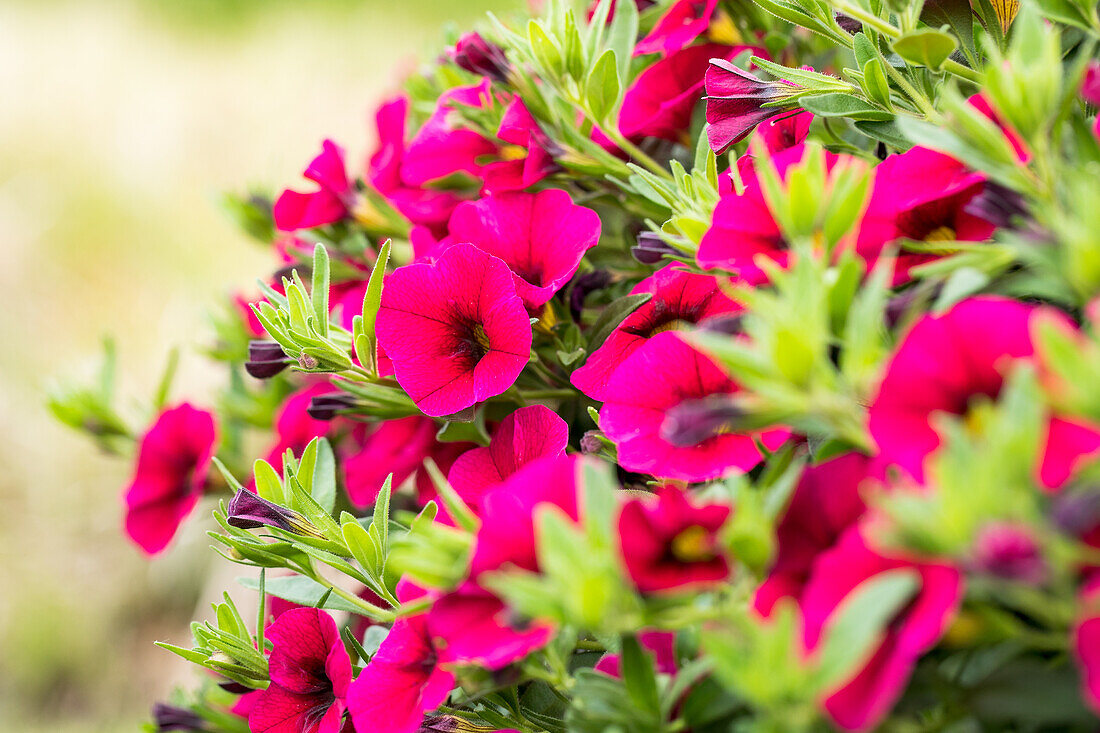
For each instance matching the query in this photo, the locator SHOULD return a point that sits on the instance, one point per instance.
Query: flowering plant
(690, 365)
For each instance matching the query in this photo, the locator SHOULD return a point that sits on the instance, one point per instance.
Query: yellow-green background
(120, 121)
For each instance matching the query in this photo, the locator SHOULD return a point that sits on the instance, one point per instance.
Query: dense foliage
(692, 365)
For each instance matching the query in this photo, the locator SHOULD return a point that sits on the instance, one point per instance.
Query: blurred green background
(120, 122)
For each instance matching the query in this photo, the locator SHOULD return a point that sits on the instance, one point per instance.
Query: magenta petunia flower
(661, 643)
(172, 465)
(426, 207)
(781, 133)
(528, 155)
(671, 543)
(526, 435)
(540, 236)
(864, 700)
(660, 101)
(955, 358)
(329, 203)
(474, 625)
(441, 147)
(920, 195)
(645, 396)
(680, 26)
(310, 674)
(456, 331)
(735, 100)
(1086, 642)
(679, 299)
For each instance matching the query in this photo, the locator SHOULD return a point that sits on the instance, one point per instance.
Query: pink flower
(441, 147)
(864, 700)
(661, 643)
(681, 24)
(946, 361)
(671, 543)
(1090, 85)
(1086, 642)
(404, 680)
(540, 236)
(478, 56)
(1011, 552)
(660, 101)
(172, 465)
(788, 131)
(425, 207)
(516, 171)
(648, 394)
(329, 203)
(456, 331)
(310, 673)
(473, 624)
(526, 435)
(679, 298)
(294, 427)
(921, 195)
(735, 100)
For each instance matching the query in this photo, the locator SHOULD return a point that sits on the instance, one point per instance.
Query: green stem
(637, 153)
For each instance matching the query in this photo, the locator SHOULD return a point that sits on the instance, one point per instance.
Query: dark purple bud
(651, 248)
(326, 407)
(587, 283)
(1000, 206)
(1077, 513)
(848, 24)
(730, 324)
(249, 511)
(591, 443)
(693, 421)
(901, 304)
(476, 55)
(265, 359)
(168, 717)
(1009, 552)
(234, 688)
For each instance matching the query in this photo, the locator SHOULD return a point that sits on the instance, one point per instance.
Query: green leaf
(602, 87)
(301, 590)
(621, 37)
(380, 520)
(811, 80)
(323, 479)
(954, 13)
(546, 51)
(886, 132)
(875, 84)
(638, 676)
(269, 485)
(863, 49)
(372, 298)
(613, 315)
(925, 47)
(960, 284)
(838, 104)
(319, 289)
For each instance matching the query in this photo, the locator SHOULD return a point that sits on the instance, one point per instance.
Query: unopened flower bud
(651, 248)
(265, 359)
(848, 24)
(169, 717)
(587, 283)
(1000, 206)
(730, 324)
(693, 421)
(1077, 513)
(249, 511)
(476, 55)
(326, 407)
(1009, 552)
(591, 443)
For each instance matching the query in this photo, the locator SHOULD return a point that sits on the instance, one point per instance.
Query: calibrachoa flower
(679, 299)
(310, 674)
(329, 203)
(528, 155)
(735, 100)
(672, 543)
(1086, 642)
(656, 383)
(526, 435)
(681, 24)
(172, 465)
(456, 331)
(661, 643)
(540, 236)
(441, 147)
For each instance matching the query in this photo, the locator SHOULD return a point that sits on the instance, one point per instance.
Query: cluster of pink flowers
(518, 347)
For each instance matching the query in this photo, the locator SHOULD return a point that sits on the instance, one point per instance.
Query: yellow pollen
(671, 326)
(513, 152)
(692, 545)
(941, 234)
(365, 213)
(722, 30)
(480, 336)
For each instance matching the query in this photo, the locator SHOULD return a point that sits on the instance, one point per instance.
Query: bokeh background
(120, 123)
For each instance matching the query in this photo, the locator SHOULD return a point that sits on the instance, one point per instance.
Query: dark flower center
(473, 343)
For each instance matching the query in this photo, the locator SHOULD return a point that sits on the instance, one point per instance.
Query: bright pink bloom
(671, 543)
(735, 100)
(441, 147)
(781, 133)
(825, 503)
(329, 203)
(294, 427)
(863, 701)
(1011, 552)
(526, 435)
(1086, 642)
(952, 359)
(404, 680)
(456, 331)
(920, 195)
(679, 298)
(422, 206)
(640, 4)
(660, 101)
(399, 447)
(310, 673)
(473, 623)
(172, 465)
(661, 643)
(646, 396)
(540, 236)
(1090, 85)
(514, 171)
(681, 24)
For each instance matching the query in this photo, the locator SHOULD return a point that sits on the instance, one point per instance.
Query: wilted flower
(172, 465)
(329, 203)
(735, 102)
